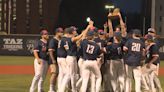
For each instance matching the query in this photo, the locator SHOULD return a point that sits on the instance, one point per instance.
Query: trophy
(114, 14)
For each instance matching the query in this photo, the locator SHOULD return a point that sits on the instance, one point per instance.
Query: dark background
(64, 13)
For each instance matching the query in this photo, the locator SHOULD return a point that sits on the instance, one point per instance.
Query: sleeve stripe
(51, 50)
(36, 50)
(155, 55)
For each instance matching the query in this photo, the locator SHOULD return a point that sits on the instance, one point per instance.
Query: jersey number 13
(90, 49)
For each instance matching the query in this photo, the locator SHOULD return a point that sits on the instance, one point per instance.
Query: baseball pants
(156, 80)
(40, 75)
(151, 77)
(71, 73)
(88, 67)
(62, 71)
(136, 72)
(79, 82)
(107, 77)
(117, 75)
(100, 61)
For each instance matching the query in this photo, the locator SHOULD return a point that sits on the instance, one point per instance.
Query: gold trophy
(114, 14)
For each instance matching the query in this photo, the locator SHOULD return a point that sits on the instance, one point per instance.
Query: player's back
(90, 50)
(135, 51)
(100, 42)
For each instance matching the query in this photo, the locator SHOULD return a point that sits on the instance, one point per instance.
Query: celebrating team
(109, 59)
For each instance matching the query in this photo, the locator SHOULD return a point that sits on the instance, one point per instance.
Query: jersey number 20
(136, 47)
(90, 49)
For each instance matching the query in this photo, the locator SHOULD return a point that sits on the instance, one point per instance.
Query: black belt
(116, 59)
(90, 59)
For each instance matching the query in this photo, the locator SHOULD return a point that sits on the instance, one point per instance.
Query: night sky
(75, 12)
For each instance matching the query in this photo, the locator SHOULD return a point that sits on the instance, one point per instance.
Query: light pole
(109, 7)
(9, 17)
(153, 14)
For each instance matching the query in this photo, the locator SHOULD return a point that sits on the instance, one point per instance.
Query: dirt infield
(16, 69)
(28, 69)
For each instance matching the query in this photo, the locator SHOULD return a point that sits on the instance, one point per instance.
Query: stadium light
(109, 6)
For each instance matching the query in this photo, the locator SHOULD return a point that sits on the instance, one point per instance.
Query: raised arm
(105, 27)
(110, 26)
(74, 39)
(123, 26)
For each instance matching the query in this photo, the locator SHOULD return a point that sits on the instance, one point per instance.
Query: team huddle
(97, 60)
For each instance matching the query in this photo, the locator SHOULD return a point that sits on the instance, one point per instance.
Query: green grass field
(21, 83)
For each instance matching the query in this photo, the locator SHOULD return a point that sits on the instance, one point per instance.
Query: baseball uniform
(135, 48)
(71, 61)
(40, 69)
(91, 51)
(53, 45)
(116, 66)
(61, 59)
(101, 43)
(152, 51)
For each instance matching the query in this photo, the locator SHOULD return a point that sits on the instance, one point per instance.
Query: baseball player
(40, 62)
(151, 64)
(91, 51)
(53, 45)
(116, 67)
(71, 60)
(80, 63)
(100, 40)
(135, 49)
(61, 60)
(122, 29)
(152, 32)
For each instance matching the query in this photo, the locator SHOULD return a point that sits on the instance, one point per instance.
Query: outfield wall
(22, 45)
(17, 45)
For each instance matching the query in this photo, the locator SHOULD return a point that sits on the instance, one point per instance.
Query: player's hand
(39, 61)
(91, 23)
(148, 65)
(110, 14)
(106, 25)
(66, 47)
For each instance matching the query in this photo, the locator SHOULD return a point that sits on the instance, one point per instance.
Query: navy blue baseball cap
(137, 32)
(59, 29)
(68, 30)
(74, 28)
(90, 33)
